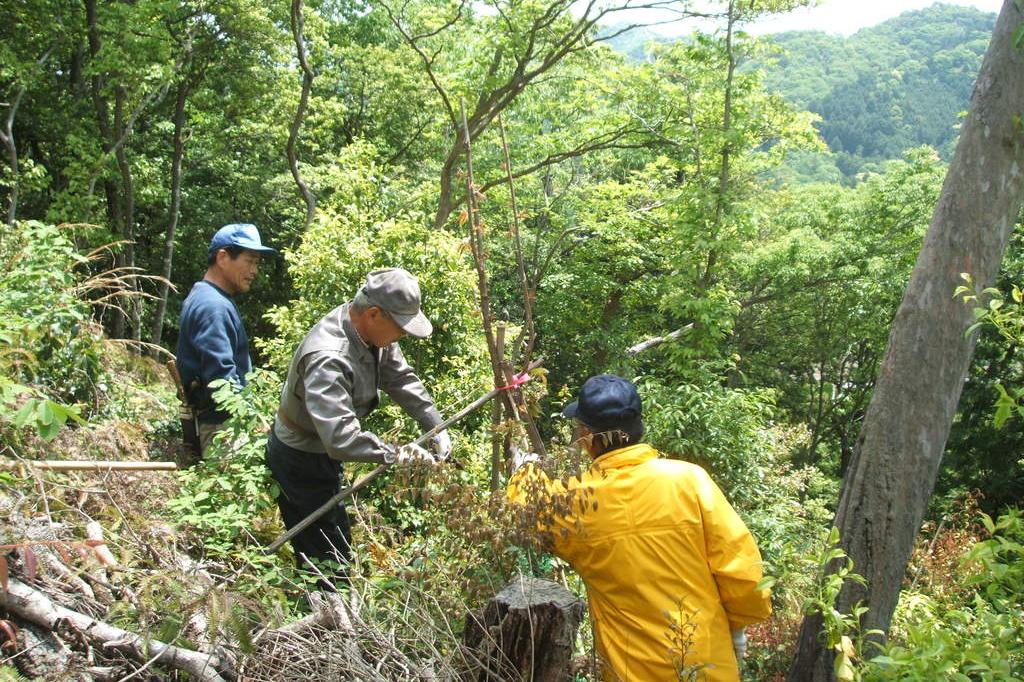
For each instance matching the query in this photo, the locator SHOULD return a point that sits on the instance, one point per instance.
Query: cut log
(526, 632)
(34, 606)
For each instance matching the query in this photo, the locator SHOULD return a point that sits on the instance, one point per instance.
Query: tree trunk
(721, 198)
(114, 207)
(300, 112)
(886, 491)
(7, 137)
(126, 258)
(172, 219)
(526, 632)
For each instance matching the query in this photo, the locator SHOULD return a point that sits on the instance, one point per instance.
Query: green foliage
(45, 327)
(370, 222)
(980, 637)
(43, 415)
(841, 630)
(229, 495)
(819, 288)
(1007, 318)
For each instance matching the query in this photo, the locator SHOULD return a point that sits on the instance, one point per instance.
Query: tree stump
(526, 633)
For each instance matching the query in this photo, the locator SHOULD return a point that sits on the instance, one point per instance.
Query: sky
(842, 17)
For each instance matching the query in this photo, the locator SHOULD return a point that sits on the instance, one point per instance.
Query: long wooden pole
(88, 465)
(345, 493)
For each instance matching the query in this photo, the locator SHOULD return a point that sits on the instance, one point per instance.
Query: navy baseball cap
(242, 235)
(606, 401)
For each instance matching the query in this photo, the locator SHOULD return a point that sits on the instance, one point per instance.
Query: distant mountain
(888, 88)
(879, 92)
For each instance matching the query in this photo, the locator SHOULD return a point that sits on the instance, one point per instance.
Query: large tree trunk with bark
(886, 490)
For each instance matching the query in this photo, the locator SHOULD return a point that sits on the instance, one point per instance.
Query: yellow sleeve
(734, 558)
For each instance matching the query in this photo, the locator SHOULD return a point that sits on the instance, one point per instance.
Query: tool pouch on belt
(187, 417)
(189, 430)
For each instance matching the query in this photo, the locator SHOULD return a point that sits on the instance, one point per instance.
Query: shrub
(962, 637)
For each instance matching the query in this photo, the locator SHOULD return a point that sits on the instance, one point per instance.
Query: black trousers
(307, 480)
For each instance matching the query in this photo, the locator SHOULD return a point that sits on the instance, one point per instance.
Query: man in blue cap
(212, 343)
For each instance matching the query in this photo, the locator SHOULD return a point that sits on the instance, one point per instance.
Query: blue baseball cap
(242, 235)
(606, 401)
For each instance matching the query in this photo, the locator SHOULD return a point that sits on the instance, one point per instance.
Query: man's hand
(414, 454)
(442, 444)
(521, 458)
(739, 643)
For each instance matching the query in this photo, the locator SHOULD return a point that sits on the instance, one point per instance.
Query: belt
(292, 426)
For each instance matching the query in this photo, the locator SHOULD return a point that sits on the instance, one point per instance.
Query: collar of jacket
(355, 341)
(625, 457)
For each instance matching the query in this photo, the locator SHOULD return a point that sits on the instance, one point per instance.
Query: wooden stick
(657, 341)
(88, 465)
(344, 493)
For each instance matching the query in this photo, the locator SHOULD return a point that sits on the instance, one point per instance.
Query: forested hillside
(560, 204)
(887, 88)
(879, 92)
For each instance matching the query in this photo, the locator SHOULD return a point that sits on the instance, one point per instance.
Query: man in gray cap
(212, 343)
(332, 383)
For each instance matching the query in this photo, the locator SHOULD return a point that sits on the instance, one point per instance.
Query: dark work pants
(307, 480)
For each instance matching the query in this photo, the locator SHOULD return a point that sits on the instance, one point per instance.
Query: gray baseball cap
(396, 292)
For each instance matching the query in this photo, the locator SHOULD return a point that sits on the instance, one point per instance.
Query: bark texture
(886, 490)
(526, 632)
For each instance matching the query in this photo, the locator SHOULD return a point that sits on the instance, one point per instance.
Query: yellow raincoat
(670, 568)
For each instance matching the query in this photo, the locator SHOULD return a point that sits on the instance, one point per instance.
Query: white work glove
(414, 454)
(521, 458)
(739, 643)
(442, 444)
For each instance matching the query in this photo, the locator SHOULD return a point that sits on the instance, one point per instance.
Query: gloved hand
(739, 643)
(414, 454)
(521, 458)
(442, 444)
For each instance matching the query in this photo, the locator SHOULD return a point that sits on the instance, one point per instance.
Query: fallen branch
(88, 465)
(657, 341)
(32, 605)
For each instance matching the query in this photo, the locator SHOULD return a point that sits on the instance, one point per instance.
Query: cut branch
(633, 351)
(32, 605)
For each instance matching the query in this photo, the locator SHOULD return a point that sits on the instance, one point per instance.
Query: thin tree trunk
(11, 147)
(127, 257)
(7, 136)
(721, 197)
(114, 207)
(175, 210)
(886, 491)
(300, 113)
(514, 406)
(520, 356)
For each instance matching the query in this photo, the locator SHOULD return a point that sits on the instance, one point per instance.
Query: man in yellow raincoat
(671, 570)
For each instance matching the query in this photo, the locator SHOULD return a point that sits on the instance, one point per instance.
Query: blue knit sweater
(212, 344)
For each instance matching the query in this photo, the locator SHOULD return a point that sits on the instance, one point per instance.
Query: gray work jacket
(333, 382)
